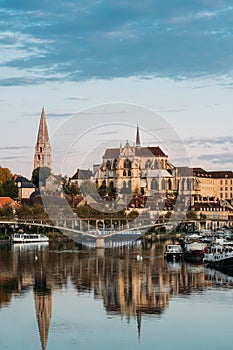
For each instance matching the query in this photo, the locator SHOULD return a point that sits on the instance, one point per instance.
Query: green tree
(38, 212)
(24, 212)
(7, 212)
(9, 189)
(40, 175)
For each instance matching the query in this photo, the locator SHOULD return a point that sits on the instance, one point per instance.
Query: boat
(219, 256)
(28, 238)
(194, 252)
(173, 252)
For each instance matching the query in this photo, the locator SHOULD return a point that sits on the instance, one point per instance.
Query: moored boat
(194, 252)
(28, 238)
(173, 252)
(219, 256)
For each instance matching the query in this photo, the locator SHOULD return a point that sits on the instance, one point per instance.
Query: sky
(101, 67)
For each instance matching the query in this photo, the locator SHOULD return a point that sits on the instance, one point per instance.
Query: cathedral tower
(43, 156)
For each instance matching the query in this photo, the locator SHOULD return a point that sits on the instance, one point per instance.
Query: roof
(7, 200)
(221, 174)
(114, 153)
(82, 174)
(25, 183)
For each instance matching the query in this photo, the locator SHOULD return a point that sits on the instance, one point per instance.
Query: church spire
(42, 156)
(138, 142)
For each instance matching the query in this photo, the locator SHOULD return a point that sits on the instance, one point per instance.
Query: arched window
(190, 184)
(129, 172)
(154, 185)
(170, 184)
(124, 173)
(115, 164)
(183, 184)
(108, 164)
(148, 164)
(127, 164)
(163, 184)
(156, 164)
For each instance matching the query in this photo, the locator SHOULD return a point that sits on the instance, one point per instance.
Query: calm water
(68, 297)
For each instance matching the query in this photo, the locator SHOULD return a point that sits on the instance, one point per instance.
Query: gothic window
(190, 184)
(115, 164)
(183, 184)
(129, 185)
(41, 149)
(154, 185)
(108, 165)
(170, 184)
(127, 164)
(129, 172)
(163, 184)
(124, 173)
(156, 164)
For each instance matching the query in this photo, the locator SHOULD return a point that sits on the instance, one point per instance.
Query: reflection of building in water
(128, 287)
(43, 304)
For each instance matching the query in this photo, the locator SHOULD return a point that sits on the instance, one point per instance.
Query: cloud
(78, 98)
(104, 39)
(219, 158)
(14, 148)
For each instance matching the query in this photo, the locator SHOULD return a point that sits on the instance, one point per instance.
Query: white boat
(173, 252)
(28, 238)
(219, 256)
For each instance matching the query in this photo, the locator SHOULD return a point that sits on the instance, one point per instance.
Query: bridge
(80, 230)
(93, 237)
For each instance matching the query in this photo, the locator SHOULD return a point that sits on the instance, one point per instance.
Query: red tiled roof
(7, 200)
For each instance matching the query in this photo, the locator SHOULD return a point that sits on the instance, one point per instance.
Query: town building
(43, 153)
(25, 186)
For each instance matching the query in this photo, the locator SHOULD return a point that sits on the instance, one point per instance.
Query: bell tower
(43, 154)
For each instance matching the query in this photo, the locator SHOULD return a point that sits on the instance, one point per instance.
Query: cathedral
(136, 169)
(43, 153)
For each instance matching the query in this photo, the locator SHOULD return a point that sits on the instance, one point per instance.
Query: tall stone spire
(138, 142)
(43, 154)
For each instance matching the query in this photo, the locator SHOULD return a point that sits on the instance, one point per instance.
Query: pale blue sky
(172, 56)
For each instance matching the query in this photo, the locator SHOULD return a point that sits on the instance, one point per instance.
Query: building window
(124, 173)
(154, 185)
(221, 182)
(163, 184)
(129, 172)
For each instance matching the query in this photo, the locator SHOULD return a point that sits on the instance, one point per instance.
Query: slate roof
(25, 183)
(82, 174)
(114, 153)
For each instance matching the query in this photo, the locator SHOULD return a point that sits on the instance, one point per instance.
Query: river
(65, 296)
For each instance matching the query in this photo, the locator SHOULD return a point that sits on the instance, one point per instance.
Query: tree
(5, 175)
(9, 189)
(40, 175)
(6, 212)
(24, 212)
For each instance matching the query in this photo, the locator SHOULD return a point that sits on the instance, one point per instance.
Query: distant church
(142, 170)
(43, 153)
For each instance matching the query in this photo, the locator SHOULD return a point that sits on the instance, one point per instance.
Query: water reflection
(128, 287)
